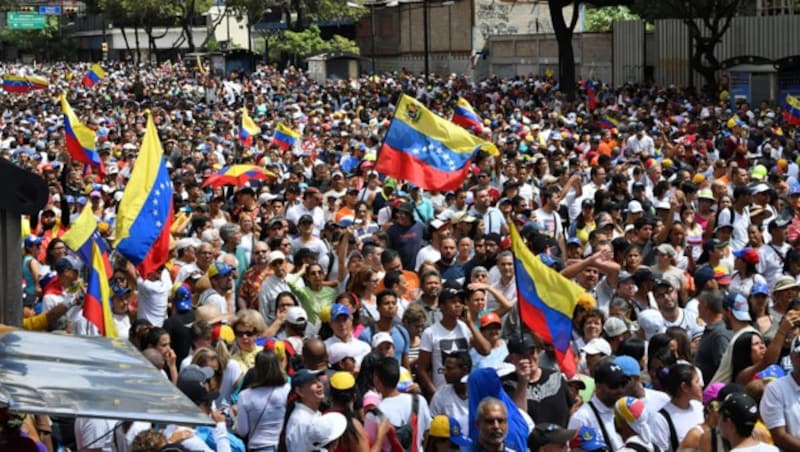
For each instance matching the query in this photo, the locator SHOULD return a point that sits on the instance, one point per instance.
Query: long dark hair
(267, 370)
(343, 401)
(676, 376)
(741, 350)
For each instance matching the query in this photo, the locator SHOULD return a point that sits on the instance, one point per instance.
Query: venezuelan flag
(200, 68)
(16, 84)
(248, 129)
(466, 117)
(591, 95)
(791, 112)
(285, 137)
(95, 74)
(144, 216)
(607, 122)
(80, 139)
(427, 150)
(84, 238)
(37, 82)
(546, 301)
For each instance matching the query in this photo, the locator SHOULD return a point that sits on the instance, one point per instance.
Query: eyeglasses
(250, 333)
(286, 244)
(261, 251)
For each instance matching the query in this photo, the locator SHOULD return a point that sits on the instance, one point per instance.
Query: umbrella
(237, 175)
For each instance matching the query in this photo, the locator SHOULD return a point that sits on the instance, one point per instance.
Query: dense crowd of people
(333, 308)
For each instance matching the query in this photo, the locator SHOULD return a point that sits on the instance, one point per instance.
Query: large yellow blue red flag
(791, 110)
(248, 129)
(465, 116)
(426, 149)
(16, 83)
(93, 76)
(144, 215)
(285, 137)
(80, 139)
(546, 301)
(84, 238)
(37, 82)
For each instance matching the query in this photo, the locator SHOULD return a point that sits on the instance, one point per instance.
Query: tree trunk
(136, 41)
(566, 55)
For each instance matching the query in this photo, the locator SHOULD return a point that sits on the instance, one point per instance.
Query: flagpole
(509, 220)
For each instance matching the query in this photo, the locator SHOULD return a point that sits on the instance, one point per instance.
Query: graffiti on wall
(508, 17)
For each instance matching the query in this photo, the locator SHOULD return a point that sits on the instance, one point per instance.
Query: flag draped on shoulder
(80, 139)
(85, 239)
(248, 129)
(145, 211)
(285, 137)
(465, 116)
(546, 301)
(95, 74)
(426, 149)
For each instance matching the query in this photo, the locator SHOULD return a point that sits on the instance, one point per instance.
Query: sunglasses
(250, 333)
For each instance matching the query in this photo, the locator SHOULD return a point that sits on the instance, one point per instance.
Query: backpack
(407, 434)
(673, 436)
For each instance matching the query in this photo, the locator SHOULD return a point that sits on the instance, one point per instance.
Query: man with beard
(448, 265)
(492, 424)
(610, 381)
(431, 285)
(221, 276)
(254, 277)
(272, 286)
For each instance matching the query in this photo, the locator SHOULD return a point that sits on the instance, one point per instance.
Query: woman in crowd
(247, 327)
(262, 406)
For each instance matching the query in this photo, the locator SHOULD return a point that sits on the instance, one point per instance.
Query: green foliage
(303, 44)
(600, 19)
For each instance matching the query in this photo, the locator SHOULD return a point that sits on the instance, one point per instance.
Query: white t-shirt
(770, 263)
(446, 401)
(683, 420)
(427, 254)
(397, 410)
(211, 296)
(298, 427)
(97, 432)
(740, 222)
(549, 223)
(687, 321)
(153, 297)
(438, 340)
(780, 405)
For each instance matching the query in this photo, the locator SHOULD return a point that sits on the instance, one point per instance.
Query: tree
(601, 19)
(309, 42)
(707, 22)
(564, 31)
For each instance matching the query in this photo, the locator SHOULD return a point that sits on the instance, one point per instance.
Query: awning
(69, 376)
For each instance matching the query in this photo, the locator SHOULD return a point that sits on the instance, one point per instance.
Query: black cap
(305, 219)
(451, 289)
(740, 408)
(191, 381)
(609, 372)
(521, 345)
(643, 275)
(544, 434)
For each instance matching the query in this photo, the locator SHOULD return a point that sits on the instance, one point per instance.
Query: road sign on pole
(53, 10)
(26, 21)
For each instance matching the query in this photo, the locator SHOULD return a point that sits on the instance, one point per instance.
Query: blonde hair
(250, 318)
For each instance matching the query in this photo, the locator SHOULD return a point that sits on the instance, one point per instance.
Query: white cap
(662, 205)
(274, 256)
(614, 327)
(597, 345)
(326, 429)
(296, 315)
(651, 322)
(635, 207)
(339, 351)
(187, 242)
(380, 338)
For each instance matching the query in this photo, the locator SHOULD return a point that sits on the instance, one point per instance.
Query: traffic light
(28, 9)
(70, 9)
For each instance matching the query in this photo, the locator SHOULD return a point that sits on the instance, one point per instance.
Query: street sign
(26, 21)
(54, 10)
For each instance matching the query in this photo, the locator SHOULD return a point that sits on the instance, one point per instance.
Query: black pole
(425, 37)
(372, 19)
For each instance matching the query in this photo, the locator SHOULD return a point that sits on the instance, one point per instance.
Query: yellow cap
(440, 427)
(586, 300)
(699, 178)
(342, 381)
(666, 163)
(226, 334)
(325, 314)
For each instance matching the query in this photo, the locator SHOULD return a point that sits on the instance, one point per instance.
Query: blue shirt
(399, 337)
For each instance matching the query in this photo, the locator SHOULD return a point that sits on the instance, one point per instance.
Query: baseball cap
(666, 248)
(342, 381)
(635, 207)
(634, 412)
(643, 275)
(629, 365)
(615, 326)
(450, 289)
(651, 322)
(303, 377)
(191, 382)
(702, 276)
(711, 392)
(574, 241)
(219, 268)
(722, 276)
(119, 291)
(737, 303)
(305, 219)
(296, 315)
(624, 276)
(67, 263)
(610, 373)
(275, 256)
(380, 338)
(187, 242)
(596, 346)
(785, 283)
(490, 318)
(748, 255)
(546, 433)
(587, 439)
(447, 427)
(32, 240)
(338, 309)
(740, 408)
(521, 344)
(759, 288)
(182, 299)
(328, 428)
(341, 350)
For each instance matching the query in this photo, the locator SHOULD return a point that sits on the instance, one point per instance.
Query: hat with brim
(326, 429)
(546, 433)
